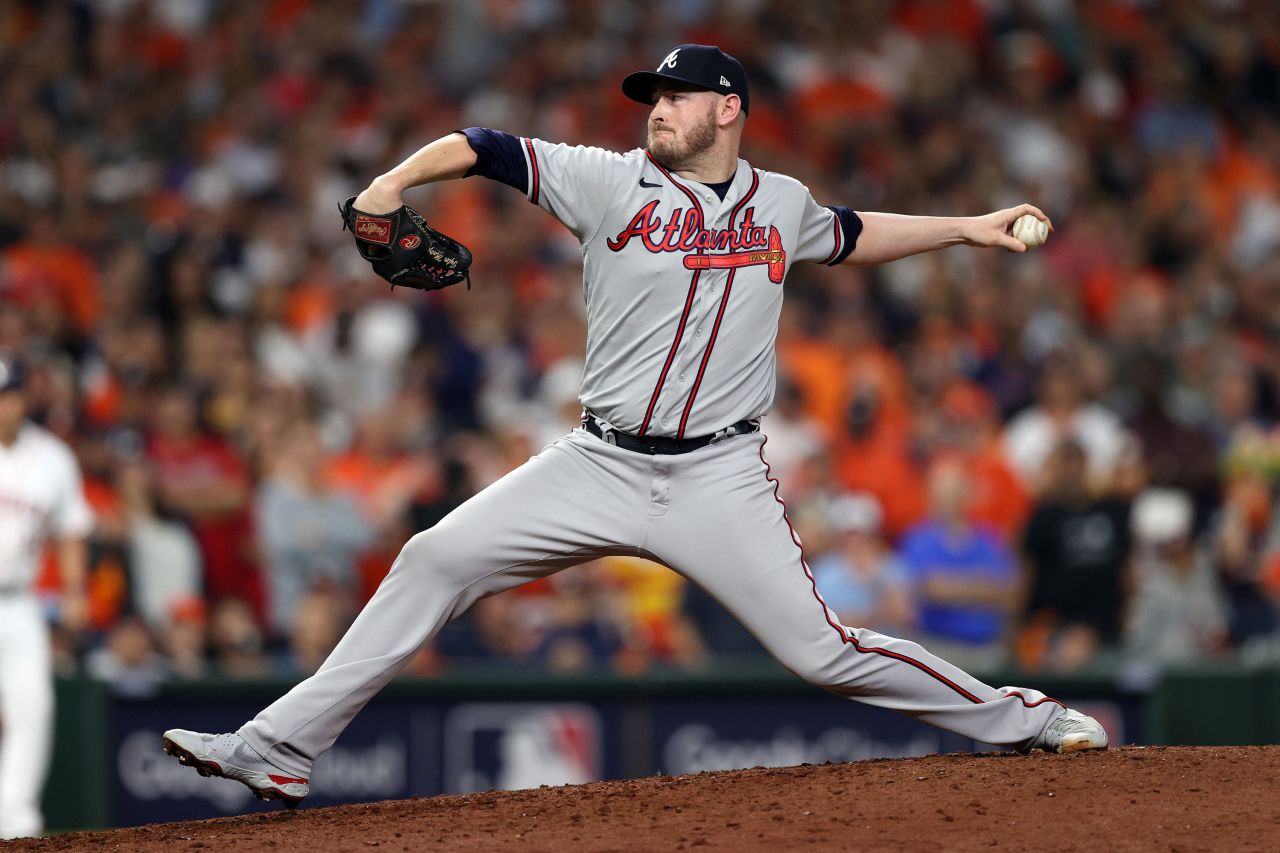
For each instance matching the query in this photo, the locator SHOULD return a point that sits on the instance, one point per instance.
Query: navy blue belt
(656, 444)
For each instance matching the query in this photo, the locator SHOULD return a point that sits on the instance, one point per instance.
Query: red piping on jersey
(688, 302)
(533, 160)
(846, 634)
(706, 356)
(724, 300)
(702, 219)
(1035, 703)
(737, 208)
(836, 251)
(684, 317)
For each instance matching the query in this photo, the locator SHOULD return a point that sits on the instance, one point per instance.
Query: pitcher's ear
(730, 109)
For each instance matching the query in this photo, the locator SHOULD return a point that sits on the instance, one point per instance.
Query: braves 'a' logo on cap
(670, 61)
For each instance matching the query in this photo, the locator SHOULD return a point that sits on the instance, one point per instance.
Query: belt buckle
(607, 433)
(727, 432)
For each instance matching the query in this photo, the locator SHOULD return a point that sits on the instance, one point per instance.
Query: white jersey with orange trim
(41, 498)
(683, 288)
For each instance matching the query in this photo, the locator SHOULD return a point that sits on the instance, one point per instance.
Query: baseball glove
(402, 248)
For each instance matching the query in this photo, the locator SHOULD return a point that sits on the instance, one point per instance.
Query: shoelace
(1068, 724)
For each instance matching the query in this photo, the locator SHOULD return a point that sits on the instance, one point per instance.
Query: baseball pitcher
(686, 250)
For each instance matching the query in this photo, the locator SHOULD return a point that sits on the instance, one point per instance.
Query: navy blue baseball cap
(12, 374)
(702, 65)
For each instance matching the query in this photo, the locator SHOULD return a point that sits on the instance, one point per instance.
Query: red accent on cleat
(285, 780)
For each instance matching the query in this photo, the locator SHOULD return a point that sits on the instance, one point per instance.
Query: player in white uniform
(41, 499)
(685, 250)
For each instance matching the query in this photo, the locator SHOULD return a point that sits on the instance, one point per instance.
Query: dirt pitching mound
(1135, 798)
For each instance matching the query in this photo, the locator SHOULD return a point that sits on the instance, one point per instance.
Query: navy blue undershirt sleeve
(851, 227)
(499, 157)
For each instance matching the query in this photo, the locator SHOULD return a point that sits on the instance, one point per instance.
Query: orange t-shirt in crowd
(828, 374)
(66, 274)
(881, 465)
(999, 500)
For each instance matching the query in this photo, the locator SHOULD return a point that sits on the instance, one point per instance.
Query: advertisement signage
(412, 747)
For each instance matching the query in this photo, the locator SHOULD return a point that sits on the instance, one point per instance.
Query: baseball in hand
(1031, 231)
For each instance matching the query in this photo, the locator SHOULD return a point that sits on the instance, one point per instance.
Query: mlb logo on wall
(509, 746)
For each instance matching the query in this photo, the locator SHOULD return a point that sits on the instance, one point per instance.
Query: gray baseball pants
(713, 515)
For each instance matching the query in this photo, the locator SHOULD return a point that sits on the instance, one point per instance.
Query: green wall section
(78, 795)
(1214, 707)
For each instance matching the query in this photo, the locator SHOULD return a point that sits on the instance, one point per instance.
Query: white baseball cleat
(230, 757)
(1072, 731)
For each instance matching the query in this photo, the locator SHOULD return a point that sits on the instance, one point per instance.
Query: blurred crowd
(1050, 460)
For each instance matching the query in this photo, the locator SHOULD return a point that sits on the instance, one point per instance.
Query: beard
(675, 151)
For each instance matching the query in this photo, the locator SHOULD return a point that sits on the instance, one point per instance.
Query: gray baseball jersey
(683, 293)
(683, 288)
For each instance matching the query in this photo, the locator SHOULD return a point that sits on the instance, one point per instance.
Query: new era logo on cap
(702, 65)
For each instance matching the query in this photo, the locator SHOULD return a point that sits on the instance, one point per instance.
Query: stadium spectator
(1176, 455)
(644, 604)
(184, 639)
(495, 628)
(964, 425)
(1076, 547)
(310, 534)
(202, 478)
(963, 577)
(379, 471)
(860, 577)
(129, 660)
(164, 559)
(1062, 412)
(236, 644)
(1177, 613)
(1239, 535)
(582, 632)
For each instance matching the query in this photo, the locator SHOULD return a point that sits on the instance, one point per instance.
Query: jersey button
(681, 377)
